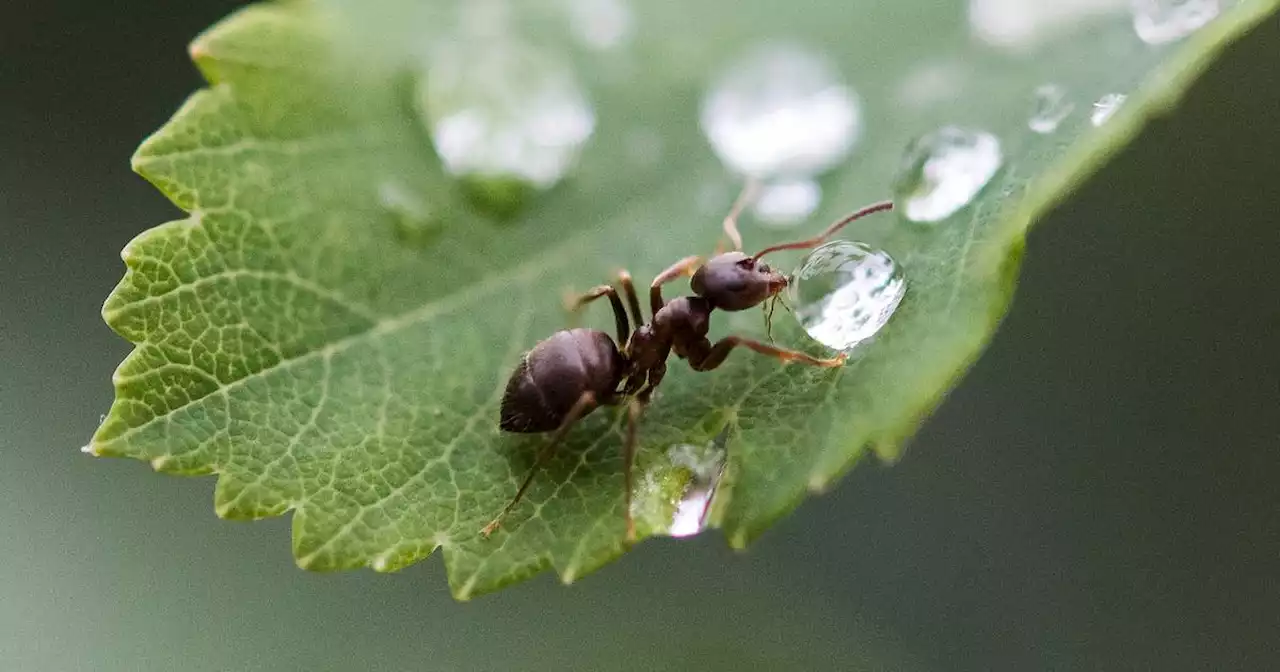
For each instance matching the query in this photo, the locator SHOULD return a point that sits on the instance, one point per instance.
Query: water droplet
(1051, 107)
(781, 110)
(787, 202)
(933, 84)
(1105, 108)
(600, 24)
(943, 171)
(414, 219)
(502, 114)
(673, 497)
(1019, 24)
(1164, 21)
(845, 292)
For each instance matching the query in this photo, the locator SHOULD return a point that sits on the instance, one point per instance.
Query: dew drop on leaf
(673, 496)
(1105, 108)
(600, 24)
(844, 292)
(413, 218)
(781, 110)
(1051, 107)
(787, 202)
(1164, 21)
(943, 171)
(503, 114)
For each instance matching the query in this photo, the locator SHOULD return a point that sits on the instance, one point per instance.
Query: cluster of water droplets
(783, 115)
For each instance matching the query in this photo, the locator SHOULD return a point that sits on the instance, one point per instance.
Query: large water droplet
(943, 171)
(503, 113)
(785, 203)
(781, 110)
(600, 24)
(1164, 21)
(1105, 108)
(673, 496)
(1051, 107)
(845, 292)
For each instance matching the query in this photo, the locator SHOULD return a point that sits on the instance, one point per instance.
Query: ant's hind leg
(575, 303)
(712, 357)
(635, 410)
(584, 405)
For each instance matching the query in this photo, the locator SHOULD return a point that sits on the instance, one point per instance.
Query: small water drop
(943, 171)
(785, 203)
(781, 110)
(845, 292)
(706, 468)
(1051, 108)
(502, 114)
(1022, 25)
(414, 219)
(1105, 108)
(1164, 21)
(600, 24)
(673, 497)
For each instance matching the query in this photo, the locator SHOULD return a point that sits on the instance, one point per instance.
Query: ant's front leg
(685, 266)
(704, 356)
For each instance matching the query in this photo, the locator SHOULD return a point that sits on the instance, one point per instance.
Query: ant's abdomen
(554, 375)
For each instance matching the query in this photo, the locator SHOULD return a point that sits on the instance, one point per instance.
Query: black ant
(575, 371)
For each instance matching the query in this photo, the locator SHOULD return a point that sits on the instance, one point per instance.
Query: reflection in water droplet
(1164, 21)
(1105, 108)
(781, 110)
(414, 220)
(600, 24)
(673, 496)
(1051, 107)
(844, 292)
(787, 202)
(500, 111)
(943, 171)
(1022, 24)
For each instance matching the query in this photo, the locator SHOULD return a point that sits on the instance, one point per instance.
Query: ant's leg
(706, 358)
(633, 301)
(731, 220)
(685, 266)
(619, 313)
(634, 412)
(584, 405)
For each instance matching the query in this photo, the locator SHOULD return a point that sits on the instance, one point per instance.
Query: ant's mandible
(575, 371)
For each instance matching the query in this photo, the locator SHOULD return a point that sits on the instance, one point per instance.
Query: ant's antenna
(839, 224)
(747, 195)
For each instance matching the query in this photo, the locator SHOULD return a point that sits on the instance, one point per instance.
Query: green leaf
(292, 339)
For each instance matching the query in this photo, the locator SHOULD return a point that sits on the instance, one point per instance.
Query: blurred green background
(1098, 494)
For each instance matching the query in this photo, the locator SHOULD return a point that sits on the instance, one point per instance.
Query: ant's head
(734, 281)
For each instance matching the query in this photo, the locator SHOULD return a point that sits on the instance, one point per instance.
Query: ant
(575, 371)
